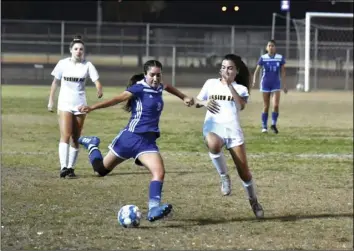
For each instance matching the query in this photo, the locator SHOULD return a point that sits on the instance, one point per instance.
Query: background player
(138, 139)
(273, 65)
(72, 73)
(224, 98)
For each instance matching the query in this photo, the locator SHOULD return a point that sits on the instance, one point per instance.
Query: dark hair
(76, 39)
(137, 77)
(272, 41)
(243, 76)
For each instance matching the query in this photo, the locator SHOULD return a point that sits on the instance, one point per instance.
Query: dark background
(197, 12)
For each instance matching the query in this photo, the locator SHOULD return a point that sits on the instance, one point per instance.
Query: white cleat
(264, 130)
(225, 184)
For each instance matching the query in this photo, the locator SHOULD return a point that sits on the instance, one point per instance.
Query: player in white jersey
(224, 98)
(72, 73)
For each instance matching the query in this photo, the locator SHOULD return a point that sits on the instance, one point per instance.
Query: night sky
(195, 12)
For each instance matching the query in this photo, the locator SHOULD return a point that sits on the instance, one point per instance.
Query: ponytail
(132, 81)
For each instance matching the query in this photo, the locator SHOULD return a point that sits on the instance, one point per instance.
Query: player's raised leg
(66, 130)
(266, 101)
(215, 144)
(102, 166)
(154, 162)
(78, 123)
(275, 113)
(239, 157)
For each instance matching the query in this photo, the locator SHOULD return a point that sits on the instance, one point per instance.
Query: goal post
(308, 24)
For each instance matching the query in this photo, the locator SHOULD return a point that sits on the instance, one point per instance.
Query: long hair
(243, 76)
(138, 77)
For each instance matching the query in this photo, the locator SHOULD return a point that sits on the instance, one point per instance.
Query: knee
(214, 145)
(159, 174)
(99, 168)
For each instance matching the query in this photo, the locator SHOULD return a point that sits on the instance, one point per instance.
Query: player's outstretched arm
(124, 96)
(188, 101)
(53, 88)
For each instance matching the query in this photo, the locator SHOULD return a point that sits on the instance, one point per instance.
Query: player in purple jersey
(138, 139)
(272, 81)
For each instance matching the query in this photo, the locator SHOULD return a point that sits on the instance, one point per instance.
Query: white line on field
(197, 154)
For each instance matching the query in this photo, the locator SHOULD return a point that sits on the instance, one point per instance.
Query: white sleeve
(93, 72)
(242, 91)
(203, 94)
(58, 70)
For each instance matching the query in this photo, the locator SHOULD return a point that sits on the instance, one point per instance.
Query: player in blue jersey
(138, 139)
(272, 81)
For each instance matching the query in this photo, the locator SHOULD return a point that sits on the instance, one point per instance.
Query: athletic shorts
(128, 145)
(270, 86)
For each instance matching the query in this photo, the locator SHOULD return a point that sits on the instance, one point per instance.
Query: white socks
(249, 188)
(219, 162)
(73, 153)
(67, 155)
(63, 154)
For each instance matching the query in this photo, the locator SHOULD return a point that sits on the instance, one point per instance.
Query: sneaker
(274, 129)
(64, 172)
(257, 209)
(225, 184)
(159, 212)
(264, 130)
(71, 173)
(89, 142)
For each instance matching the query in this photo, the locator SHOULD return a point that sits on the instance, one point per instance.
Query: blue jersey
(271, 68)
(147, 105)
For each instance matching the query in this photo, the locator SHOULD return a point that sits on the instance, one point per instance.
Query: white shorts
(231, 137)
(68, 108)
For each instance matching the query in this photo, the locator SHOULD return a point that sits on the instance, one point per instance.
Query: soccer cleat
(264, 130)
(64, 172)
(89, 142)
(274, 129)
(225, 184)
(257, 209)
(71, 173)
(159, 212)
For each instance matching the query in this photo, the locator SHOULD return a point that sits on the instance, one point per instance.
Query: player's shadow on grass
(201, 221)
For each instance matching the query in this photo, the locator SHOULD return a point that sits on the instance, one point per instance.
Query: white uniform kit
(225, 123)
(73, 78)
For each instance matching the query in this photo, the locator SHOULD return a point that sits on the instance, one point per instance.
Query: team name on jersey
(221, 97)
(71, 79)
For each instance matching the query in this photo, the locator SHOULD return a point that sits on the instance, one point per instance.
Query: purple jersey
(271, 68)
(147, 105)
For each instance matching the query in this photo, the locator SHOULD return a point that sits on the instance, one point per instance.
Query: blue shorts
(270, 87)
(128, 145)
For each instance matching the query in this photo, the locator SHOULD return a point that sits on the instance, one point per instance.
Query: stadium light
(236, 8)
(224, 8)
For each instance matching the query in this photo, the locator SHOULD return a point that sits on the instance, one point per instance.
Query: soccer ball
(300, 87)
(129, 216)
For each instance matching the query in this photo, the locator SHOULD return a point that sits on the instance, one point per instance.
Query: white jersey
(226, 123)
(73, 78)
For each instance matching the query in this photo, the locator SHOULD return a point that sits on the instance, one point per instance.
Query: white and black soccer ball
(129, 216)
(300, 87)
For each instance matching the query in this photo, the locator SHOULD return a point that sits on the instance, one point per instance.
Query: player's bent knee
(100, 168)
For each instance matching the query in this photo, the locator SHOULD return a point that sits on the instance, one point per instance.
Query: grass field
(304, 178)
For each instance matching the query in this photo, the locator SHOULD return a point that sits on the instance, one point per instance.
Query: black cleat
(257, 209)
(71, 173)
(274, 129)
(64, 172)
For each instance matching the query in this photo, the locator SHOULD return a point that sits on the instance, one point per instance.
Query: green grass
(303, 177)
